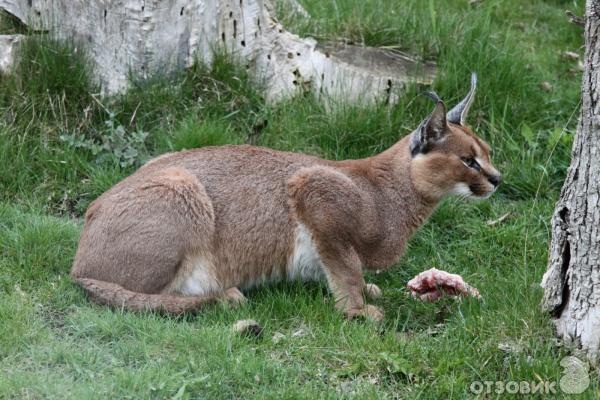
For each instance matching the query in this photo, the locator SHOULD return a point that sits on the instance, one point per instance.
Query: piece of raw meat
(432, 284)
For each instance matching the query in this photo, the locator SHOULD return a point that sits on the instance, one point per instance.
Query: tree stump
(138, 39)
(9, 47)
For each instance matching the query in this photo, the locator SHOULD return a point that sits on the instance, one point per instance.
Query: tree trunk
(572, 282)
(140, 38)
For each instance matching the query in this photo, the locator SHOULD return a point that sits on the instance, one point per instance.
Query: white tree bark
(572, 282)
(9, 47)
(140, 38)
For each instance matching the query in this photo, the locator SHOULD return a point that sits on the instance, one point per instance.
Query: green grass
(55, 344)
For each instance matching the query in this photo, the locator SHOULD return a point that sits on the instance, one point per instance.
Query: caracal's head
(448, 158)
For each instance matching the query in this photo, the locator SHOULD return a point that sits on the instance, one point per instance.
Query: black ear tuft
(433, 96)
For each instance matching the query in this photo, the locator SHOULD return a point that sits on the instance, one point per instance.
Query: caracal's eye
(471, 163)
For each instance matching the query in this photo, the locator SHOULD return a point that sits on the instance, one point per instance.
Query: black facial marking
(471, 162)
(420, 149)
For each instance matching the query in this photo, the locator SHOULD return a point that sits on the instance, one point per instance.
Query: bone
(433, 284)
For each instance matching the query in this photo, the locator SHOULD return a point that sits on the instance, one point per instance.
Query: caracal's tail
(114, 295)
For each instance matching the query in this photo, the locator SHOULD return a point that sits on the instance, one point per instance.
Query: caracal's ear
(458, 114)
(431, 130)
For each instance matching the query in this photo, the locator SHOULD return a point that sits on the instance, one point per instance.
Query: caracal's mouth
(483, 196)
(464, 191)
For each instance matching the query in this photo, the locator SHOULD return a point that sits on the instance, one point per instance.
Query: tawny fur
(191, 227)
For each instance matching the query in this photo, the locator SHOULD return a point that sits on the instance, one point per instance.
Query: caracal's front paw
(369, 311)
(234, 297)
(372, 291)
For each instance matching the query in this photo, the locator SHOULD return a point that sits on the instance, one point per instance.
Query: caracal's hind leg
(140, 235)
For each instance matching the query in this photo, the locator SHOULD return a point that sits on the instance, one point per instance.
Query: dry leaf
(546, 86)
(503, 218)
(571, 54)
(277, 337)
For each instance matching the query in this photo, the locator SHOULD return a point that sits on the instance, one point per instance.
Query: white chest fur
(305, 263)
(195, 278)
